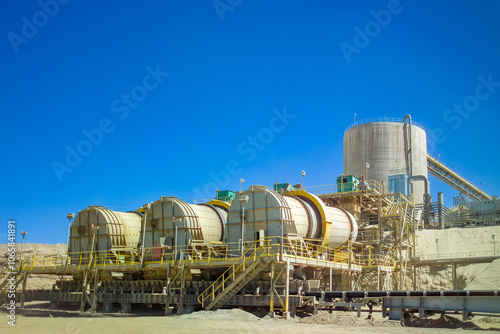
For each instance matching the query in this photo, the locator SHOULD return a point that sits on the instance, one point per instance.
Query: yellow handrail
(201, 297)
(291, 248)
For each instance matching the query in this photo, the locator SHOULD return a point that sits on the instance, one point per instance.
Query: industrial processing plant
(283, 247)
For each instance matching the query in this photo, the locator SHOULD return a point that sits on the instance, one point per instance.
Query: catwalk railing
(198, 255)
(455, 255)
(382, 120)
(455, 218)
(349, 187)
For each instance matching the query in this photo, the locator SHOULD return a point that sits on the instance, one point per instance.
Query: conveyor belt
(395, 303)
(454, 180)
(415, 293)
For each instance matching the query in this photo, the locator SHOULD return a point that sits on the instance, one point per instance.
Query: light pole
(241, 181)
(243, 201)
(70, 217)
(367, 166)
(494, 250)
(22, 246)
(354, 118)
(437, 247)
(302, 180)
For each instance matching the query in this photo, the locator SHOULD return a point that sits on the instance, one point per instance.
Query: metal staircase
(236, 277)
(235, 286)
(19, 277)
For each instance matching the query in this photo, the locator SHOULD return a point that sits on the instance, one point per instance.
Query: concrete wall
(456, 241)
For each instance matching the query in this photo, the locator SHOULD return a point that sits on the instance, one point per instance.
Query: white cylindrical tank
(301, 218)
(382, 143)
(194, 222)
(116, 231)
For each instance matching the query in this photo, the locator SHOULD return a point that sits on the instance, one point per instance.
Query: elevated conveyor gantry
(454, 180)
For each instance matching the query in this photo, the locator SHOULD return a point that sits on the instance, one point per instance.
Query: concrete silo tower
(395, 151)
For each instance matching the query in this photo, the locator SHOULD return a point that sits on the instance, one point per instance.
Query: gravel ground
(39, 318)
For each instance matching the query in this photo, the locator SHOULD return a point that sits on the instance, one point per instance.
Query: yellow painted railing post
(271, 301)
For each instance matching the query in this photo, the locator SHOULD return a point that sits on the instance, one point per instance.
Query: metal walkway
(460, 260)
(454, 180)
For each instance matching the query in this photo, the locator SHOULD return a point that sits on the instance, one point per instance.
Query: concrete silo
(384, 144)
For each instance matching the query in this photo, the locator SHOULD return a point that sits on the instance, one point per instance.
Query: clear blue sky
(178, 89)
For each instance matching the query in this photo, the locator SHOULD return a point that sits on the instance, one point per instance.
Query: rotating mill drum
(303, 215)
(107, 230)
(170, 220)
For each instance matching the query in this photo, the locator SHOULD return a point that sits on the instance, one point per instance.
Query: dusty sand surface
(488, 279)
(38, 318)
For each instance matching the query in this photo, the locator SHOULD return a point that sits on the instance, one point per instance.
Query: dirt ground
(37, 317)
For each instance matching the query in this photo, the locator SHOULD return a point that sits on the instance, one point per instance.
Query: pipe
(399, 293)
(426, 183)
(440, 210)
(243, 200)
(243, 230)
(427, 197)
(69, 229)
(146, 207)
(94, 231)
(409, 152)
